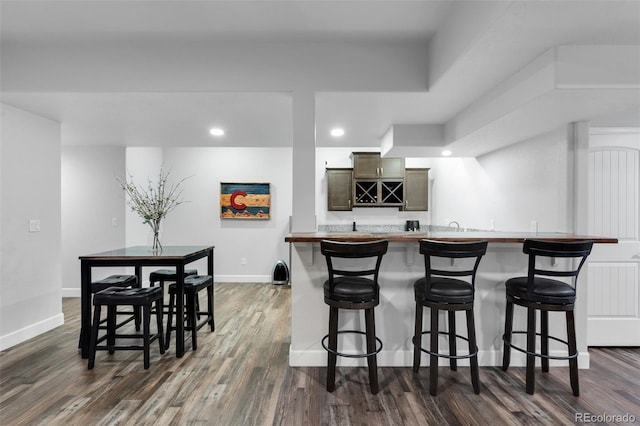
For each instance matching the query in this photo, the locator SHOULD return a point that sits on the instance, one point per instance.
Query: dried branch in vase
(153, 202)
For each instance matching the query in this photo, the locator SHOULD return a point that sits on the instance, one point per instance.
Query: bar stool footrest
(378, 348)
(474, 353)
(539, 355)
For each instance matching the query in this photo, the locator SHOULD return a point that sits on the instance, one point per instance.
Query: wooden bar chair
(538, 292)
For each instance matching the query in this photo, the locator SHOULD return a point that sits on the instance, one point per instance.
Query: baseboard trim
(16, 337)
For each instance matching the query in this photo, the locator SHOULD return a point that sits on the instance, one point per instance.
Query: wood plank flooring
(240, 376)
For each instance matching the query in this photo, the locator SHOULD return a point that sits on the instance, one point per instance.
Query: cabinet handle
(349, 203)
(381, 171)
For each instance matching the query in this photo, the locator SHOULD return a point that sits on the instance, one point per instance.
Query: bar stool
(192, 285)
(122, 281)
(351, 288)
(538, 293)
(438, 290)
(161, 276)
(113, 297)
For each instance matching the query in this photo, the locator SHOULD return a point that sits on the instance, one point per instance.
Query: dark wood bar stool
(161, 276)
(537, 292)
(123, 281)
(193, 284)
(352, 288)
(443, 288)
(112, 298)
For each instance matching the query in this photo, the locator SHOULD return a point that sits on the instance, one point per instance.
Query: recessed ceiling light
(337, 132)
(216, 131)
(446, 153)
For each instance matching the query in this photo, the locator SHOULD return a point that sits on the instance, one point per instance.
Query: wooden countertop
(411, 237)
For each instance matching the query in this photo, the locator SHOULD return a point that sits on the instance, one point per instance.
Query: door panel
(614, 270)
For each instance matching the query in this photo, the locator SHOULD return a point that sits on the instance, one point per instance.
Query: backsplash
(386, 228)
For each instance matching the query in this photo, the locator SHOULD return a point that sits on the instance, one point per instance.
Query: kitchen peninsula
(401, 266)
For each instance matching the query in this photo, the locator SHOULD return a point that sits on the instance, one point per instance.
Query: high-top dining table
(139, 257)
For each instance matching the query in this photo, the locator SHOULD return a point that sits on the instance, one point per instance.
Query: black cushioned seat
(192, 285)
(114, 281)
(443, 288)
(167, 275)
(538, 292)
(352, 287)
(544, 291)
(113, 297)
(123, 281)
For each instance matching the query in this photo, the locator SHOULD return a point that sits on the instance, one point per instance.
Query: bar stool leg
(159, 309)
(508, 326)
(417, 338)
(473, 347)
(452, 340)
(94, 336)
(573, 349)
(372, 362)
(212, 323)
(544, 344)
(433, 359)
(169, 321)
(111, 327)
(192, 309)
(531, 348)
(333, 345)
(146, 321)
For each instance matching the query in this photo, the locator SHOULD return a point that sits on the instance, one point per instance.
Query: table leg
(210, 273)
(180, 310)
(85, 307)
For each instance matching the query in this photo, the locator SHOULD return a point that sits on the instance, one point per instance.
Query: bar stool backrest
(538, 248)
(452, 250)
(353, 250)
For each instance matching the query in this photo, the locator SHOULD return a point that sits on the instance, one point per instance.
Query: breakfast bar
(401, 266)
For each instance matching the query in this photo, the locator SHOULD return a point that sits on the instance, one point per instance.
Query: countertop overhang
(453, 236)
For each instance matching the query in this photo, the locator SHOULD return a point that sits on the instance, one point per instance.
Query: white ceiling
(514, 33)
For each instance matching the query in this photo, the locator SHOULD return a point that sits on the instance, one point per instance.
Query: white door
(614, 269)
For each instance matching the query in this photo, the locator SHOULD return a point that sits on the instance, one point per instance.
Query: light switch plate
(34, 225)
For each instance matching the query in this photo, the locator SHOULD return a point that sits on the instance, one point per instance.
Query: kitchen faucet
(454, 222)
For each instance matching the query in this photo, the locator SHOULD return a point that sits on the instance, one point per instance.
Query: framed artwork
(245, 200)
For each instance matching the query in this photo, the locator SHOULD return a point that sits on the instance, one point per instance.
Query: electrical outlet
(114, 222)
(534, 226)
(34, 225)
(492, 225)
(243, 260)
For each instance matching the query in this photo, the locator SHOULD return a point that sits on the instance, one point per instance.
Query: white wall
(197, 222)
(526, 182)
(93, 210)
(30, 295)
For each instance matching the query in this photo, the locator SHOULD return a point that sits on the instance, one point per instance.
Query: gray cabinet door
(416, 187)
(392, 168)
(366, 165)
(369, 165)
(339, 183)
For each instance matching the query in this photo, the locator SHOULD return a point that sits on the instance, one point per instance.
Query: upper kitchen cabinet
(416, 189)
(376, 182)
(339, 192)
(369, 165)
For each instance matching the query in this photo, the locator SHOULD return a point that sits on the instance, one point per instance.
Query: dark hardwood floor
(240, 376)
